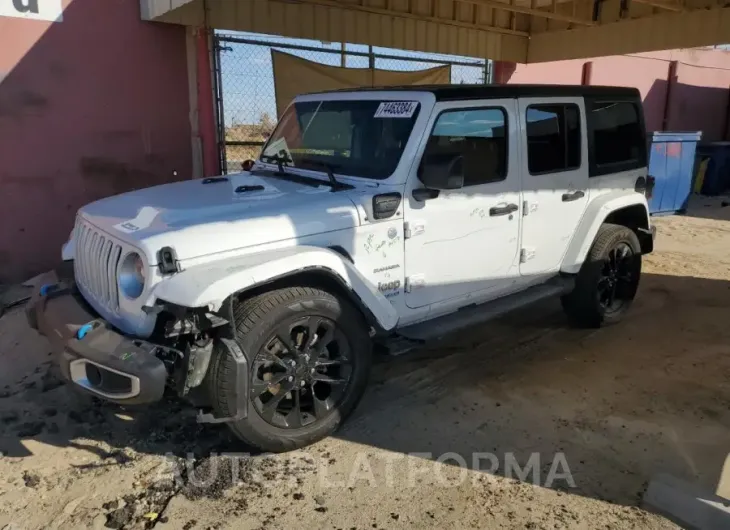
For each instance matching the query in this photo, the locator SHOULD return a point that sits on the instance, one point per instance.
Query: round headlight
(132, 276)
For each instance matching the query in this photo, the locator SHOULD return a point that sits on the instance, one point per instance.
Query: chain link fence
(245, 92)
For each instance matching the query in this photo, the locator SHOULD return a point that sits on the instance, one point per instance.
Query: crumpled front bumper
(91, 354)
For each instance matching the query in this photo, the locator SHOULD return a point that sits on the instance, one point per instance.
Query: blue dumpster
(716, 178)
(671, 163)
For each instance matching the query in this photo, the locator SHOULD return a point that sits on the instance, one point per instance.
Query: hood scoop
(214, 180)
(245, 188)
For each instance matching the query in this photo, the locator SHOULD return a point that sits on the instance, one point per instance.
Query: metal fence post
(221, 116)
(246, 83)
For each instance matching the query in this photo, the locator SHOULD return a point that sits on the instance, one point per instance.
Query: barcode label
(396, 109)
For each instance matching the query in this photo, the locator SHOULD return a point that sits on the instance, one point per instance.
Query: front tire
(309, 357)
(608, 280)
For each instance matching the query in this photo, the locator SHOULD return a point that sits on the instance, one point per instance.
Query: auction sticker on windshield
(396, 109)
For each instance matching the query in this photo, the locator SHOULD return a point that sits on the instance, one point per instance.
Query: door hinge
(415, 282)
(526, 254)
(413, 229)
(529, 207)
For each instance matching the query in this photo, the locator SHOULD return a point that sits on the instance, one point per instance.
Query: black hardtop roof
(457, 92)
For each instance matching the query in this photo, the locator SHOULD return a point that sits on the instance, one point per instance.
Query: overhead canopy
(508, 30)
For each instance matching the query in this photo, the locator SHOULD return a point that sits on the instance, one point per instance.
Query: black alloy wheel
(617, 281)
(608, 280)
(301, 373)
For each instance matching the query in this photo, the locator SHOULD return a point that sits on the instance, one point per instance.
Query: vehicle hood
(199, 217)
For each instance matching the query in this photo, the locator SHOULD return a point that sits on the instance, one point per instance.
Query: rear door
(617, 143)
(554, 172)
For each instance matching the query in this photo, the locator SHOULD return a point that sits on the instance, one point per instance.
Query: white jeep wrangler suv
(372, 217)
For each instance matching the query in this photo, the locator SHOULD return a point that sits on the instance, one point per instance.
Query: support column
(191, 53)
(502, 71)
(587, 73)
(671, 80)
(206, 107)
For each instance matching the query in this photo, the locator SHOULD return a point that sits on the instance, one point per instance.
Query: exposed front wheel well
(307, 358)
(318, 279)
(635, 217)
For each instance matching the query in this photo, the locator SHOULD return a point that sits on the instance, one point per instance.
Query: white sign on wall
(33, 9)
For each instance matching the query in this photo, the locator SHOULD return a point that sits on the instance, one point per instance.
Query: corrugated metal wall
(341, 25)
(704, 27)
(494, 29)
(418, 29)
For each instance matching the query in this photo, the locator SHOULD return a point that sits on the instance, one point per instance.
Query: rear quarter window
(616, 136)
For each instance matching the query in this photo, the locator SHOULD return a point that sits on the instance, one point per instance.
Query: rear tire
(300, 343)
(608, 280)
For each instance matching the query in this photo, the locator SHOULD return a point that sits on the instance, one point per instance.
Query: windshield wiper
(329, 169)
(280, 159)
(283, 159)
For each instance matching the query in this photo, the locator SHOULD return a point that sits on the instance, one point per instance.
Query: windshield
(357, 138)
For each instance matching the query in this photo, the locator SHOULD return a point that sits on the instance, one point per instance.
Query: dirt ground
(595, 413)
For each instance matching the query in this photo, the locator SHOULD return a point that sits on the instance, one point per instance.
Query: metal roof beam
(494, 4)
(403, 14)
(668, 31)
(661, 5)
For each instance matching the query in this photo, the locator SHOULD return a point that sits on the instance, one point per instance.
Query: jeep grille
(95, 264)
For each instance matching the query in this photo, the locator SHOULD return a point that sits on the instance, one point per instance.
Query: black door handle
(567, 197)
(424, 194)
(503, 210)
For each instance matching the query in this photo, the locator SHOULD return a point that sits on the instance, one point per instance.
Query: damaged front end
(200, 336)
(128, 370)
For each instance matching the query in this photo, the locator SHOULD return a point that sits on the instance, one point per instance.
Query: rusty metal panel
(667, 31)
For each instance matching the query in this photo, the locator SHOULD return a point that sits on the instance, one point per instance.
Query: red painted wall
(699, 88)
(555, 73)
(700, 100)
(647, 74)
(89, 107)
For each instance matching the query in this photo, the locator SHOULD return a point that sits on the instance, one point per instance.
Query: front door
(555, 179)
(464, 244)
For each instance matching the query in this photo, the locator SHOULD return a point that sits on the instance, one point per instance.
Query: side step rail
(478, 314)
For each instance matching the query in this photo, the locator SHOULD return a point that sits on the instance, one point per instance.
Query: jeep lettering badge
(388, 286)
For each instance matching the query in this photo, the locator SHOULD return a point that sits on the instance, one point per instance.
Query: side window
(473, 140)
(618, 139)
(553, 138)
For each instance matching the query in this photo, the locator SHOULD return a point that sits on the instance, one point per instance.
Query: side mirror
(442, 177)
(247, 165)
